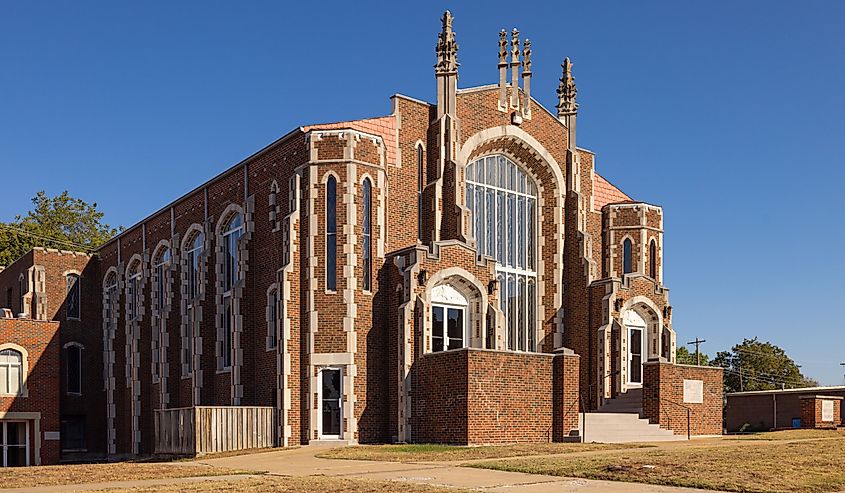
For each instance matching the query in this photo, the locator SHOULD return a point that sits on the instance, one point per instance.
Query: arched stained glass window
(503, 200)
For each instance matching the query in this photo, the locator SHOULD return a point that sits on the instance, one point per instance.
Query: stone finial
(514, 47)
(503, 47)
(447, 47)
(566, 91)
(526, 55)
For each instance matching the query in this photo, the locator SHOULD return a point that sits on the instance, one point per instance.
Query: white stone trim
(111, 306)
(132, 346)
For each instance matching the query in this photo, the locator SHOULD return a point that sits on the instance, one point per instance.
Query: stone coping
(822, 397)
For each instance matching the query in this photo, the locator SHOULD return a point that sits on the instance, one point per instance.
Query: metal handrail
(688, 409)
(580, 400)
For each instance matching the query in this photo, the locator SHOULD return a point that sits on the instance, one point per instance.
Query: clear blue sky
(729, 114)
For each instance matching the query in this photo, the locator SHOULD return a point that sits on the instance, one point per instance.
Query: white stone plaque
(827, 411)
(693, 392)
(51, 435)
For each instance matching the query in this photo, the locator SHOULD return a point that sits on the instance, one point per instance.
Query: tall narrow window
(161, 265)
(331, 234)
(73, 368)
(23, 289)
(652, 259)
(272, 318)
(193, 257)
(366, 233)
(503, 198)
(11, 372)
(134, 296)
(627, 260)
(232, 233)
(420, 186)
(72, 301)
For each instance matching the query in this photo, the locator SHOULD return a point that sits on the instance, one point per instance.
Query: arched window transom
(503, 200)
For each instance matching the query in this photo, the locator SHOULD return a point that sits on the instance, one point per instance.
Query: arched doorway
(449, 318)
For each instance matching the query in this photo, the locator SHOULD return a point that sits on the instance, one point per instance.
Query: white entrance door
(14, 440)
(636, 327)
(331, 403)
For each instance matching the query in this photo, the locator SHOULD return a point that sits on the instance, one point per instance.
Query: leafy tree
(758, 365)
(683, 356)
(62, 222)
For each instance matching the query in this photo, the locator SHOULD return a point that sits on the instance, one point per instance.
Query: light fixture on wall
(618, 304)
(667, 311)
(421, 277)
(492, 286)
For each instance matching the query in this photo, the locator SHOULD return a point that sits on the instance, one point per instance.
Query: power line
(45, 238)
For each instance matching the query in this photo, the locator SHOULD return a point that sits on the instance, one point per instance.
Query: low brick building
(61, 286)
(455, 271)
(29, 392)
(774, 409)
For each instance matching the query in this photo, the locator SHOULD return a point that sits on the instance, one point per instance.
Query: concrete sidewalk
(302, 462)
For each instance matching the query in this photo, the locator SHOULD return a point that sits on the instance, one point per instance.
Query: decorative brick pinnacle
(566, 91)
(447, 48)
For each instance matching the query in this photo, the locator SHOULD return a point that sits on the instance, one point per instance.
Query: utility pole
(697, 342)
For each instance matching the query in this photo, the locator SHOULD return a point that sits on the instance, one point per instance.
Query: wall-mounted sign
(693, 391)
(51, 435)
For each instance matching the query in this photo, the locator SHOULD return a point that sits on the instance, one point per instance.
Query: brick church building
(454, 272)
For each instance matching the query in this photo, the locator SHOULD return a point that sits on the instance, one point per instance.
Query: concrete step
(621, 428)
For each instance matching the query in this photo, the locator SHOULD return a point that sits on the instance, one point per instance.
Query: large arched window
(627, 256)
(232, 232)
(366, 233)
(503, 201)
(193, 249)
(161, 264)
(11, 372)
(331, 234)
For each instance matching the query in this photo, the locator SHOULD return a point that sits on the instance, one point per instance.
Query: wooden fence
(211, 429)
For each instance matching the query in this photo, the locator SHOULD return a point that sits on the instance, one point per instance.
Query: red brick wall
(811, 412)
(663, 398)
(40, 339)
(474, 396)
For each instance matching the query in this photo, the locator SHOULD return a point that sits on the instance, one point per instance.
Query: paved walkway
(302, 462)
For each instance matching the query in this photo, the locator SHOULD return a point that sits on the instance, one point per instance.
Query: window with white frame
(11, 372)
(503, 200)
(135, 294)
(73, 368)
(232, 232)
(448, 318)
(272, 317)
(73, 304)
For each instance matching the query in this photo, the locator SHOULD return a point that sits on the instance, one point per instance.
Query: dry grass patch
(790, 435)
(443, 453)
(20, 477)
(311, 484)
(806, 466)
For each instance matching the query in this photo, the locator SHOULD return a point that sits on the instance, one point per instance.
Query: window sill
(186, 377)
(270, 348)
(74, 394)
(73, 319)
(227, 369)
